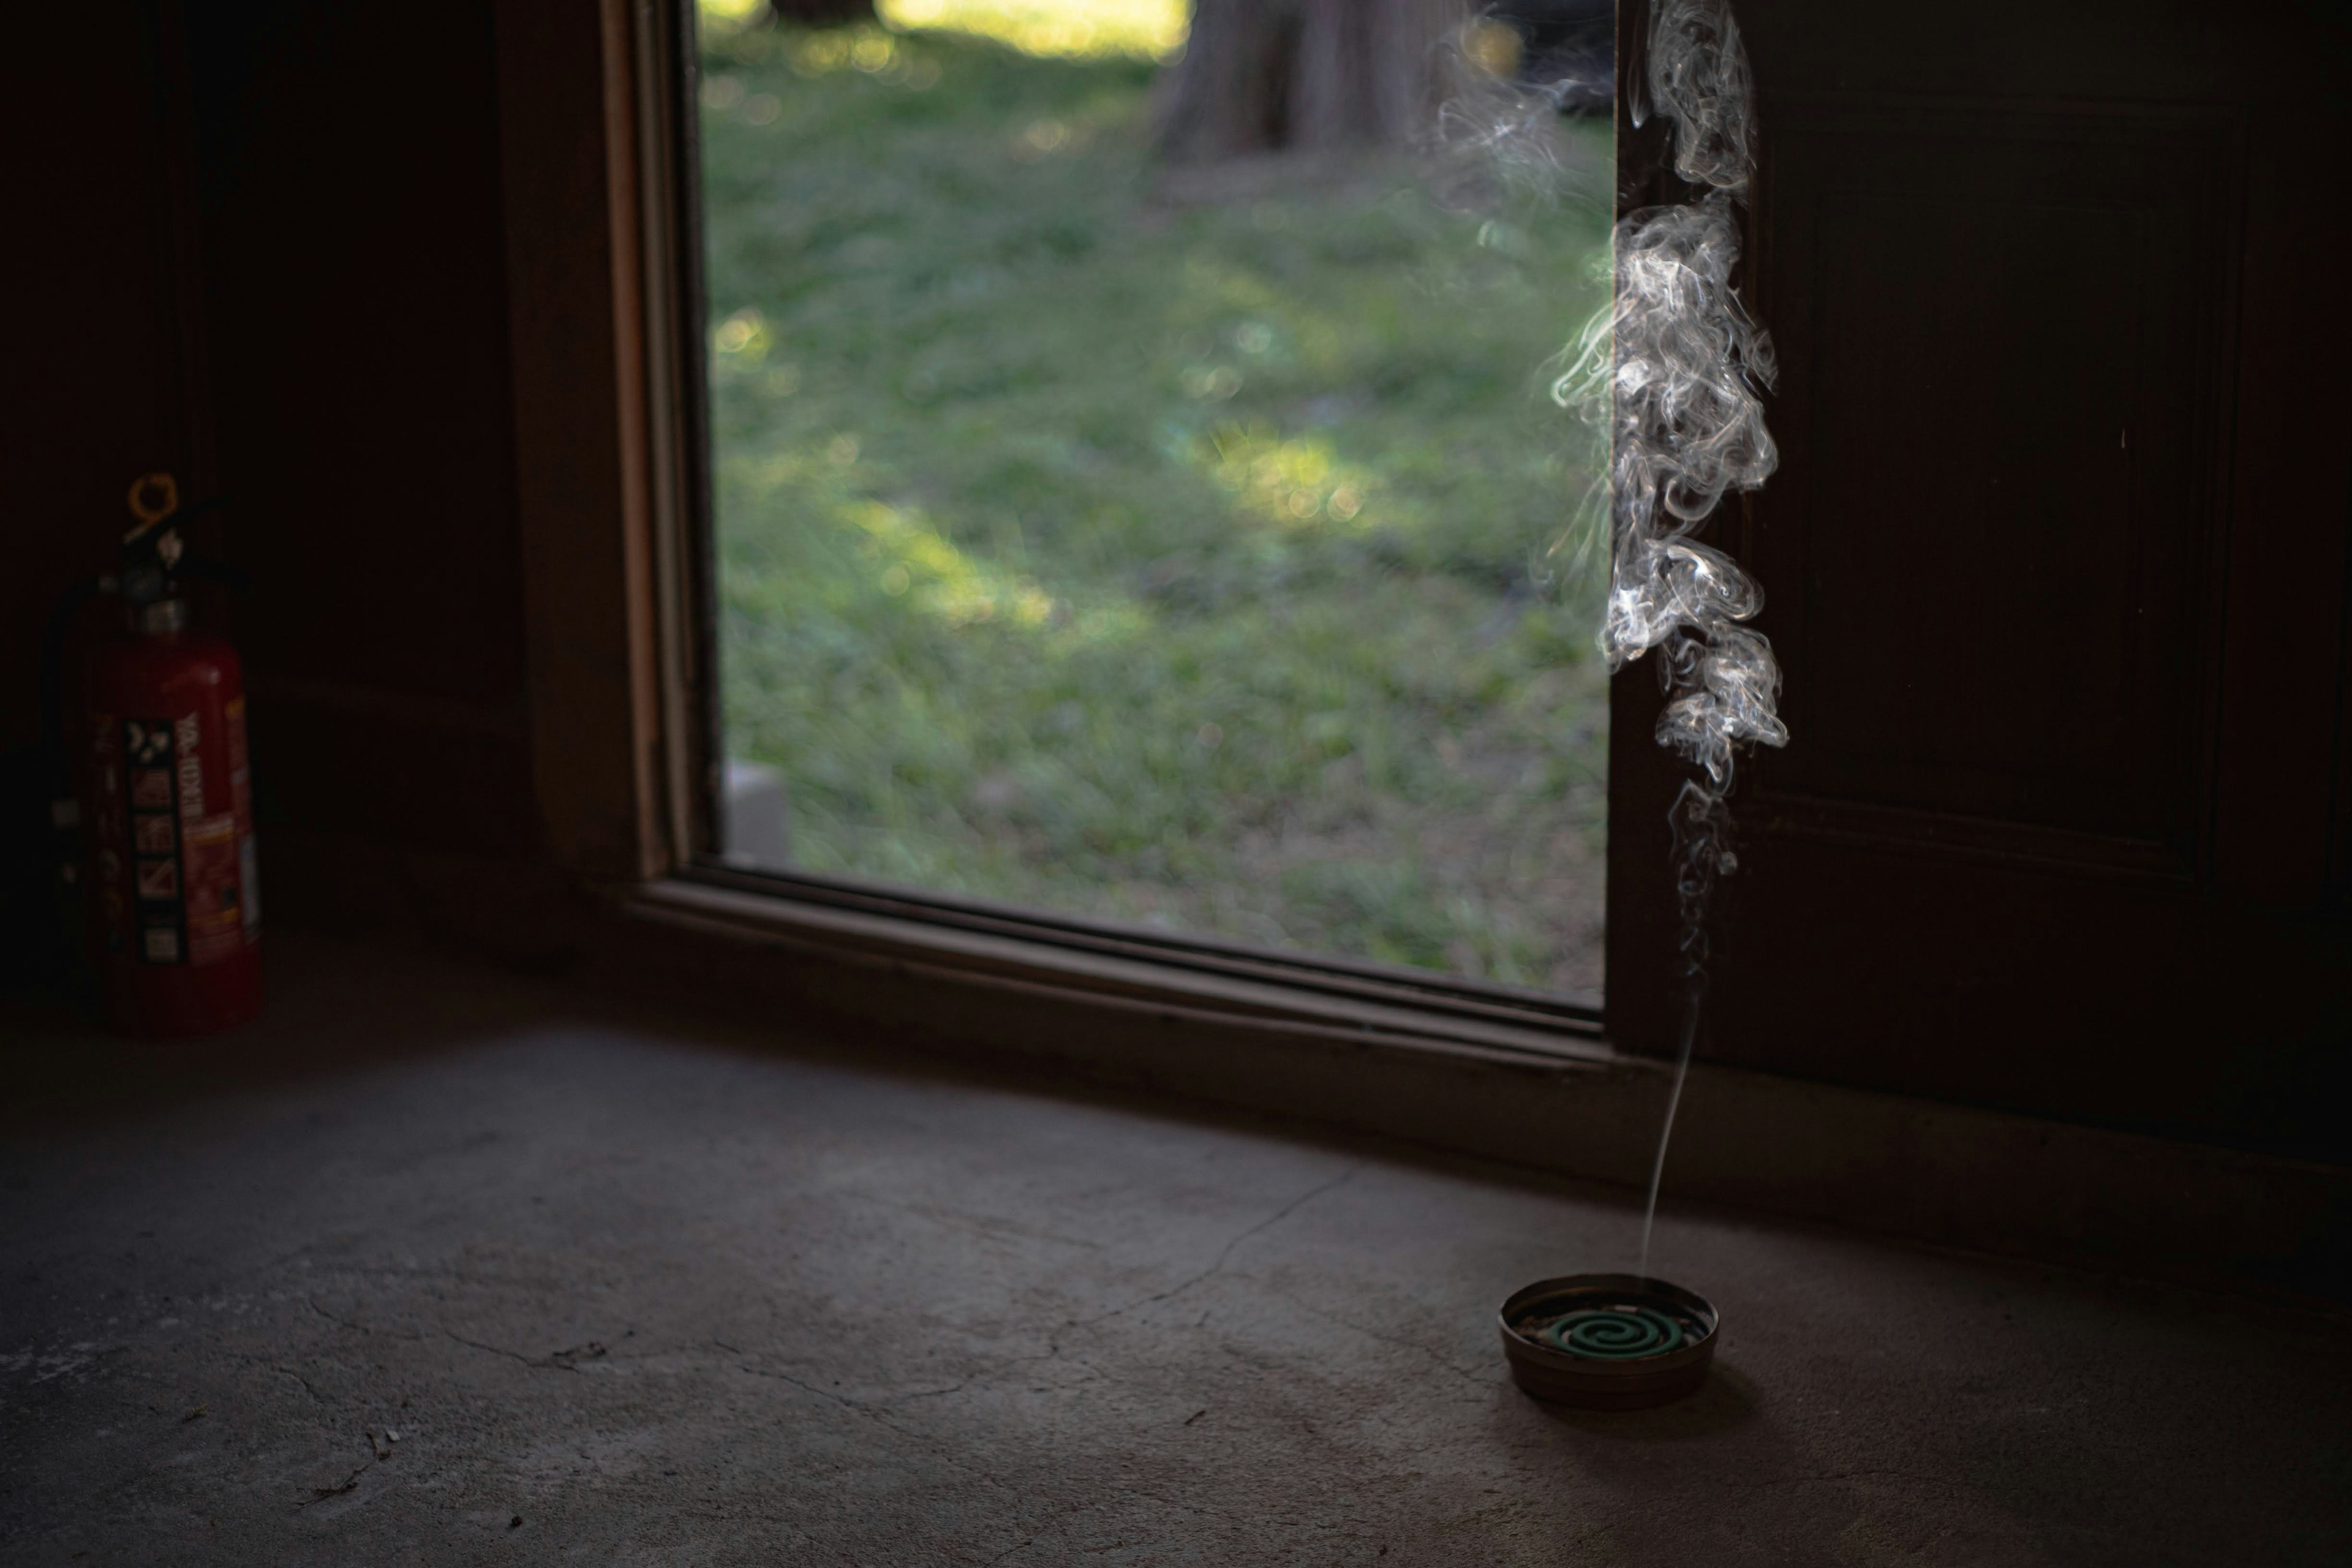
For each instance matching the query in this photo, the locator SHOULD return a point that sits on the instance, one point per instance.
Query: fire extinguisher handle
(153, 579)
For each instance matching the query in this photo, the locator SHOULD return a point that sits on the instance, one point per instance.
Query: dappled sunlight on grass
(744, 334)
(1148, 30)
(870, 50)
(1296, 483)
(944, 581)
(1139, 30)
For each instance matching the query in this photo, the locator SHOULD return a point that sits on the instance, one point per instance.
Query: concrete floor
(436, 1267)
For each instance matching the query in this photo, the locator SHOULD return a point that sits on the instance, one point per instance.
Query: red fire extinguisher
(167, 800)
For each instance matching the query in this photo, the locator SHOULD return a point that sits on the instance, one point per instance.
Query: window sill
(1100, 966)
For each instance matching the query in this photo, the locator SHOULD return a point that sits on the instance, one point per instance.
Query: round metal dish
(1548, 1370)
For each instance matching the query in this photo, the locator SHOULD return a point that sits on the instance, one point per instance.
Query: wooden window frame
(678, 752)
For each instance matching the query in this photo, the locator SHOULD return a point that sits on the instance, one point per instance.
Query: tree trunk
(1263, 76)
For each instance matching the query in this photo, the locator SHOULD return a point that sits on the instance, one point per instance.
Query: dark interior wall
(101, 379)
(269, 255)
(354, 290)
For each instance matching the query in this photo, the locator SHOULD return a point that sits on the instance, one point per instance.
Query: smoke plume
(1674, 370)
(1677, 374)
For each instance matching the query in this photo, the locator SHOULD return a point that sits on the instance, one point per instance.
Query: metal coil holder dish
(1607, 1341)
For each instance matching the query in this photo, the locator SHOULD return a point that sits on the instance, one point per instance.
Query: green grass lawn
(1168, 561)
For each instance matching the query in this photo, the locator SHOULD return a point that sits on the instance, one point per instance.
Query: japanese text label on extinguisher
(184, 892)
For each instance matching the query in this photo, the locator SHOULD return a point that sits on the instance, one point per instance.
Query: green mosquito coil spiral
(1614, 1333)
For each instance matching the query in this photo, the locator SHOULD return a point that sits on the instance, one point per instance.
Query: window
(1138, 548)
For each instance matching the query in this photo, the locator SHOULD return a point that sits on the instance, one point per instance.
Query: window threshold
(993, 945)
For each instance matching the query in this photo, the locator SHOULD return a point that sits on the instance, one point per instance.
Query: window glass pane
(1157, 541)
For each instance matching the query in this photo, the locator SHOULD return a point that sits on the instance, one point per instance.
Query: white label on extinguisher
(151, 897)
(192, 771)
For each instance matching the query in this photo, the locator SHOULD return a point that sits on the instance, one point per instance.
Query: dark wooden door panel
(2057, 571)
(2029, 989)
(2001, 333)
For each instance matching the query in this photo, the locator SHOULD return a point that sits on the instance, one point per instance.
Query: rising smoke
(1672, 370)
(1679, 386)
